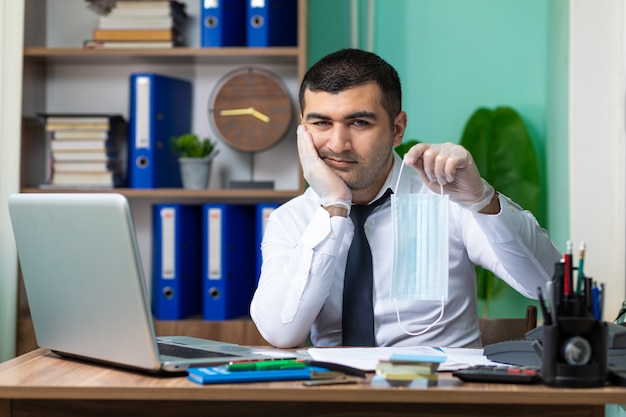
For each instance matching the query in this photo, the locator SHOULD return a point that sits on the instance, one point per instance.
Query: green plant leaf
(502, 149)
(405, 146)
(189, 145)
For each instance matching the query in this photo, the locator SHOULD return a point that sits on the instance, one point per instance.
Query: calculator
(499, 374)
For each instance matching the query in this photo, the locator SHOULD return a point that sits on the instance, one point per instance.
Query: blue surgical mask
(420, 254)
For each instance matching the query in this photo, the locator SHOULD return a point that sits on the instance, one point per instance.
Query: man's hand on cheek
(334, 193)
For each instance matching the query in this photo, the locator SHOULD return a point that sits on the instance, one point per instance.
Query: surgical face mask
(420, 255)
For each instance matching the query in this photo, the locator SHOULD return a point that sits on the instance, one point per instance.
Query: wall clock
(251, 109)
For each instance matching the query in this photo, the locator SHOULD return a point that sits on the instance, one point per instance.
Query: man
(351, 118)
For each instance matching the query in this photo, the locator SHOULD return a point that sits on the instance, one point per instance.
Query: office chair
(498, 330)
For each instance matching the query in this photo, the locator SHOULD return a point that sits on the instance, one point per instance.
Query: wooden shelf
(175, 55)
(179, 194)
(57, 78)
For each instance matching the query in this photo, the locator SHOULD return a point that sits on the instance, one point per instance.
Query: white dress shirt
(304, 259)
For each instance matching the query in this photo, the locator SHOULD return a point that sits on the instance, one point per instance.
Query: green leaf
(405, 146)
(190, 146)
(502, 149)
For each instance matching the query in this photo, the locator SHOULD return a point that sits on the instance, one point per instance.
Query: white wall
(11, 29)
(597, 155)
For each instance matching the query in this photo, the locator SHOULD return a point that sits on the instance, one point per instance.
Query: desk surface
(37, 376)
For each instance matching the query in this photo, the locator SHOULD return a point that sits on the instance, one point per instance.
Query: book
(143, 5)
(133, 35)
(92, 44)
(82, 166)
(84, 178)
(135, 22)
(79, 134)
(86, 149)
(139, 22)
(74, 144)
(78, 120)
(101, 155)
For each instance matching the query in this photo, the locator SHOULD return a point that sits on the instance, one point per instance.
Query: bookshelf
(60, 76)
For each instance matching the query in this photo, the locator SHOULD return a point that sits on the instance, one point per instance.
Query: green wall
(455, 56)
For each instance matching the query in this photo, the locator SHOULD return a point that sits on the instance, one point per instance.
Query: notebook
(86, 290)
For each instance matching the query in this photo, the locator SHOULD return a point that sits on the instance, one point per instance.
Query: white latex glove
(452, 167)
(331, 189)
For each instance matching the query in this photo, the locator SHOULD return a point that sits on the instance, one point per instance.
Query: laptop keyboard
(187, 352)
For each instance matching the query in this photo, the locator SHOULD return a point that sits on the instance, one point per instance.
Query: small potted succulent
(195, 159)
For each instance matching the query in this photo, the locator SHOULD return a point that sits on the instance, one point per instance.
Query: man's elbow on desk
(282, 337)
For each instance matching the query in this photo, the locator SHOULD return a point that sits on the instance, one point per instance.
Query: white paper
(367, 358)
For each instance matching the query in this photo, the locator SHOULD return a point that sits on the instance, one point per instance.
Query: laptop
(86, 290)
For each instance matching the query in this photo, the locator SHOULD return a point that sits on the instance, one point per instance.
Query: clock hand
(262, 117)
(249, 110)
(236, 112)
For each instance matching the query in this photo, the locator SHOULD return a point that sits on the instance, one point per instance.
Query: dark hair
(348, 68)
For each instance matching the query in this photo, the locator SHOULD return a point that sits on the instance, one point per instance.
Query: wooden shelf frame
(38, 58)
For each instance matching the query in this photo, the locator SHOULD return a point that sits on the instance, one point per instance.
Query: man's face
(354, 136)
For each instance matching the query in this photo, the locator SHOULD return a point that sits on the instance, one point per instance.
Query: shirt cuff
(324, 233)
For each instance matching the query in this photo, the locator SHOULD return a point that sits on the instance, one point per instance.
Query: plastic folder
(223, 23)
(228, 262)
(272, 23)
(220, 375)
(160, 108)
(176, 261)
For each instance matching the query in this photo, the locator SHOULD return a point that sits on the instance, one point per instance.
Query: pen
(581, 263)
(596, 301)
(266, 365)
(552, 301)
(601, 300)
(547, 317)
(567, 280)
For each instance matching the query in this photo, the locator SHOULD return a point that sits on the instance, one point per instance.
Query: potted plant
(195, 159)
(504, 154)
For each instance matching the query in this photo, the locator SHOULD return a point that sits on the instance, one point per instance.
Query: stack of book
(408, 371)
(140, 24)
(86, 150)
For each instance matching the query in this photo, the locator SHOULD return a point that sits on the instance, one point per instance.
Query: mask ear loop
(395, 300)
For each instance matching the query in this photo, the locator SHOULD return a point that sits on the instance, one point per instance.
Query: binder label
(168, 245)
(142, 113)
(215, 243)
(257, 3)
(211, 4)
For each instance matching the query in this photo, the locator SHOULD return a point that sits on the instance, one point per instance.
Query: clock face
(251, 109)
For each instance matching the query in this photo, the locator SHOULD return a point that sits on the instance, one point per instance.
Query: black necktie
(358, 310)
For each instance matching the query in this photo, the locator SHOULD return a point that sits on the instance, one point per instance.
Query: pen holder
(575, 352)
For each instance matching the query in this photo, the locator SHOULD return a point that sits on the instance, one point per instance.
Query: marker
(270, 365)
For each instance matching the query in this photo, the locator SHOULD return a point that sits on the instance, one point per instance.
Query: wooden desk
(39, 383)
